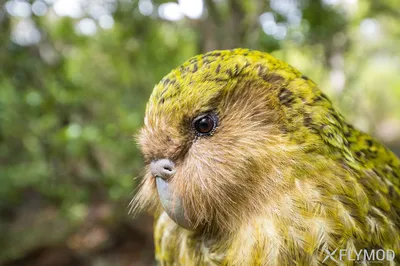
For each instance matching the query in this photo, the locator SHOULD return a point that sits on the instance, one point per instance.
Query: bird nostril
(168, 168)
(163, 168)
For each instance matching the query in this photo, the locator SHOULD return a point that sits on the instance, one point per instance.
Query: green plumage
(284, 177)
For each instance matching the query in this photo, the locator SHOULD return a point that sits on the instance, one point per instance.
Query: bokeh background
(75, 76)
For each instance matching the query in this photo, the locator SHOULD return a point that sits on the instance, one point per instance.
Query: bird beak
(172, 203)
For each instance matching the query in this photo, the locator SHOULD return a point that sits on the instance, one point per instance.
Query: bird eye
(204, 125)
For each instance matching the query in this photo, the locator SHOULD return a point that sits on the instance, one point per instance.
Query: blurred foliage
(75, 77)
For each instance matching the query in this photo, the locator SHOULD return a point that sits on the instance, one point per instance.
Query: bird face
(212, 146)
(252, 158)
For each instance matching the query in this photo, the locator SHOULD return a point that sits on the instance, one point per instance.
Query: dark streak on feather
(286, 97)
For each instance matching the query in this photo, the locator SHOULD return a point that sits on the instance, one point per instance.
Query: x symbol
(330, 255)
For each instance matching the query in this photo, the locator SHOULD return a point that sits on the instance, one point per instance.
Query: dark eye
(204, 125)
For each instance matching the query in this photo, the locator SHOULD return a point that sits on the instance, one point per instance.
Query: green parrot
(248, 163)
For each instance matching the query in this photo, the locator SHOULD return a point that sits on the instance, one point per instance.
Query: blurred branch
(238, 22)
(212, 9)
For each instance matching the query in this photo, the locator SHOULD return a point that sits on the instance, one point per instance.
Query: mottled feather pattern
(283, 177)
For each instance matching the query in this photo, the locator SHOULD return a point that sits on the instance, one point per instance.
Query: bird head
(221, 136)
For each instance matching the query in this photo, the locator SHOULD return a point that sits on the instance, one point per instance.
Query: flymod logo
(362, 255)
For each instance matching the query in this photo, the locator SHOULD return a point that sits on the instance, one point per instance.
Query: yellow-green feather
(358, 178)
